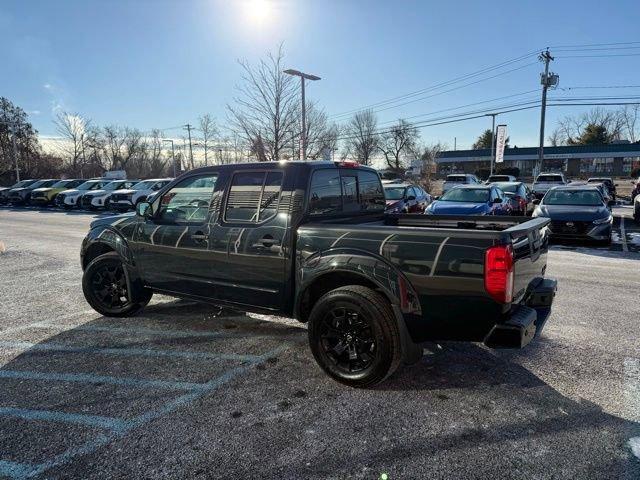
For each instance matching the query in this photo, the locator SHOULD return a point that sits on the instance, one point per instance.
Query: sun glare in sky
(258, 12)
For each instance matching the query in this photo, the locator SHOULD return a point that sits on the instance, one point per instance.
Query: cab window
(253, 197)
(188, 201)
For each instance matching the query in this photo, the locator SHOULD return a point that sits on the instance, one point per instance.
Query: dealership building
(618, 159)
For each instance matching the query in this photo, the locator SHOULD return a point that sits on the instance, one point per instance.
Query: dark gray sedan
(576, 213)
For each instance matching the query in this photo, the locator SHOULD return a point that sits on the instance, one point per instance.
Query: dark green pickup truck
(310, 240)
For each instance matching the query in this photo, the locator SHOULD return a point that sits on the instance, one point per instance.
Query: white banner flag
(501, 139)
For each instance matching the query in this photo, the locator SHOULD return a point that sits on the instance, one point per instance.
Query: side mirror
(497, 200)
(615, 184)
(411, 197)
(144, 210)
(536, 201)
(437, 197)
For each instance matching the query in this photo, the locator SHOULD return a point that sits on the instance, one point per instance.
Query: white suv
(459, 179)
(71, 198)
(127, 199)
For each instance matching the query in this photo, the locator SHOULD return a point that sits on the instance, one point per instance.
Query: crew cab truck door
(252, 230)
(172, 246)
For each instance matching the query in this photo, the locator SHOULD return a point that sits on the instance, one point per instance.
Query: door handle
(268, 241)
(200, 237)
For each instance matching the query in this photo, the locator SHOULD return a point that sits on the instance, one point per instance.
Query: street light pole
(173, 156)
(493, 136)
(303, 136)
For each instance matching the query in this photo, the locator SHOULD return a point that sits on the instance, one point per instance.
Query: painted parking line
(146, 331)
(109, 423)
(99, 379)
(21, 471)
(623, 235)
(30, 347)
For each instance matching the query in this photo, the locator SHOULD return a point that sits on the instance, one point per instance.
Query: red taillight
(498, 273)
(522, 202)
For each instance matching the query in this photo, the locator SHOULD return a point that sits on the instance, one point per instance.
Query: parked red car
(405, 198)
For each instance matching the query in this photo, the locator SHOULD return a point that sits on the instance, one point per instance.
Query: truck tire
(104, 286)
(354, 336)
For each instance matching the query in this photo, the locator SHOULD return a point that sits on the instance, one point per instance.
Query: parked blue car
(471, 200)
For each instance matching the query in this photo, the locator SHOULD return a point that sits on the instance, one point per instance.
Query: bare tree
(629, 115)
(398, 143)
(210, 134)
(264, 112)
(320, 135)
(362, 139)
(556, 138)
(571, 128)
(430, 154)
(72, 128)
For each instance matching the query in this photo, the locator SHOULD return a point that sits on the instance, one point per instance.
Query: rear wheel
(105, 288)
(354, 336)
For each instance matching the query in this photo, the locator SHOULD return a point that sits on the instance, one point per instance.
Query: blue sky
(158, 64)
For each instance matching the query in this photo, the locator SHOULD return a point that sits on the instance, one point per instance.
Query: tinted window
(573, 197)
(188, 201)
(270, 196)
(325, 192)
(473, 195)
(253, 196)
(349, 193)
(456, 178)
(549, 179)
(370, 191)
(394, 193)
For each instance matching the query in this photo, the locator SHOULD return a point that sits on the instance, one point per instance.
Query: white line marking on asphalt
(623, 235)
(634, 443)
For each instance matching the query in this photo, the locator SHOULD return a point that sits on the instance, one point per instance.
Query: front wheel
(354, 336)
(105, 288)
(636, 213)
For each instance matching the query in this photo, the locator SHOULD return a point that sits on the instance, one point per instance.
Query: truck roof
(312, 164)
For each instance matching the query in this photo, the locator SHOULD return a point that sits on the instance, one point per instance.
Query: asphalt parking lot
(185, 391)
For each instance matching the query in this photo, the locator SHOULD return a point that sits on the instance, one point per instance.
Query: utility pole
(15, 149)
(188, 126)
(455, 139)
(303, 136)
(493, 140)
(547, 81)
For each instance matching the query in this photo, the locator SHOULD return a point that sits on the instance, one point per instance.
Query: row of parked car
(578, 210)
(94, 194)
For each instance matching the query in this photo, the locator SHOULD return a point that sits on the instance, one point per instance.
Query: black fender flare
(374, 269)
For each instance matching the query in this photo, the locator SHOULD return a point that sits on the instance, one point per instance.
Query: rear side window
(335, 191)
(325, 192)
(253, 197)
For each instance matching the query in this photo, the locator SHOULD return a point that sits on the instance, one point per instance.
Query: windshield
(22, 183)
(498, 178)
(61, 183)
(394, 193)
(38, 184)
(90, 185)
(573, 197)
(113, 186)
(145, 185)
(472, 195)
(456, 178)
(507, 187)
(549, 179)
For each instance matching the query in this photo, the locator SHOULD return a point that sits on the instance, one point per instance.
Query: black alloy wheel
(106, 289)
(348, 339)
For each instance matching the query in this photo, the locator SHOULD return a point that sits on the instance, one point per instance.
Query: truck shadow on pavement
(78, 388)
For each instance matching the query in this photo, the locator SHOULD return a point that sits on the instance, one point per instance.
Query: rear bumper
(525, 321)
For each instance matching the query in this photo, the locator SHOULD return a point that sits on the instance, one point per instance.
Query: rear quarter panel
(445, 268)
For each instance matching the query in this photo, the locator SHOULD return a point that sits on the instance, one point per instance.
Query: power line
(595, 44)
(598, 87)
(600, 56)
(595, 49)
(454, 88)
(439, 85)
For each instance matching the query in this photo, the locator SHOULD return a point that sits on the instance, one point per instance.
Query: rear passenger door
(251, 232)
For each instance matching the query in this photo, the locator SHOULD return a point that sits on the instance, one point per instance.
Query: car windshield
(573, 197)
(549, 179)
(113, 186)
(38, 184)
(394, 193)
(456, 178)
(90, 185)
(61, 183)
(472, 195)
(145, 185)
(507, 187)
